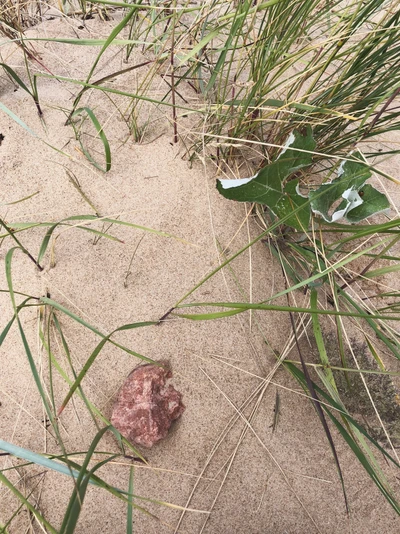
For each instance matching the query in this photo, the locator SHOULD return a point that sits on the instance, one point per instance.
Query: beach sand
(222, 459)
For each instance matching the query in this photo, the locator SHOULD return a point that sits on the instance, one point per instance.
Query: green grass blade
(17, 119)
(199, 46)
(382, 271)
(35, 373)
(377, 478)
(319, 339)
(110, 90)
(76, 318)
(45, 243)
(70, 470)
(16, 78)
(32, 509)
(20, 199)
(78, 494)
(65, 346)
(238, 307)
(6, 329)
(94, 355)
(303, 283)
(35, 458)
(118, 28)
(129, 514)
(298, 374)
(380, 330)
(102, 136)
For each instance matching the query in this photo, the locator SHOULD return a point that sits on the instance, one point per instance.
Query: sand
(252, 480)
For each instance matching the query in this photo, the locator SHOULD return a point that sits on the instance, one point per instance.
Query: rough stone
(147, 405)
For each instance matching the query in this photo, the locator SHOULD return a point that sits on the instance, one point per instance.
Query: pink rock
(146, 405)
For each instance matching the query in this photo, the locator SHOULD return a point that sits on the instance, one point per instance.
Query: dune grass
(259, 71)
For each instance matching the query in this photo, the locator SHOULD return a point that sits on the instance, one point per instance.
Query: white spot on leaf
(290, 140)
(228, 184)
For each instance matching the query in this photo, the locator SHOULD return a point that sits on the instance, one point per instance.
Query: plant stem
(21, 246)
(174, 118)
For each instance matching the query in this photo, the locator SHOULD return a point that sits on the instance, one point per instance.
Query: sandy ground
(253, 480)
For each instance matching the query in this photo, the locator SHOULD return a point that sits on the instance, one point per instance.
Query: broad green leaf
(289, 202)
(347, 196)
(266, 187)
(372, 202)
(351, 177)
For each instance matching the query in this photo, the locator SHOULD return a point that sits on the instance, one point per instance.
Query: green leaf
(4, 333)
(78, 494)
(75, 471)
(367, 461)
(76, 318)
(346, 196)
(118, 28)
(31, 360)
(32, 509)
(266, 187)
(16, 78)
(129, 514)
(16, 119)
(202, 44)
(382, 271)
(320, 340)
(100, 133)
(289, 202)
(36, 458)
(372, 202)
(53, 226)
(352, 175)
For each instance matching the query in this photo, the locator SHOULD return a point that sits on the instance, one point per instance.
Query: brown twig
(380, 113)
(20, 245)
(174, 116)
(165, 316)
